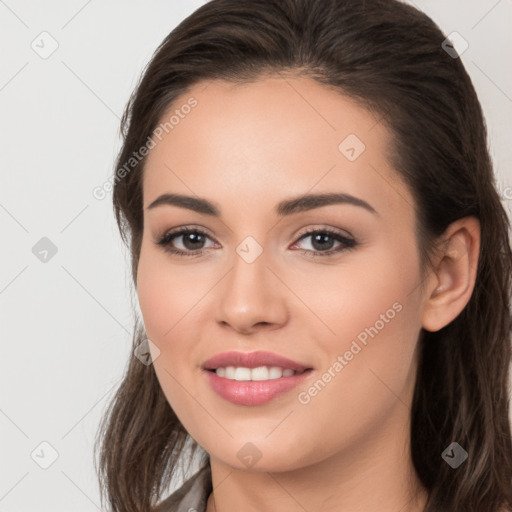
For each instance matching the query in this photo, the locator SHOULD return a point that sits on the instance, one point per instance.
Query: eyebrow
(287, 207)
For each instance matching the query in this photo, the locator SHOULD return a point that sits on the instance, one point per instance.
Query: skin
(246, 148)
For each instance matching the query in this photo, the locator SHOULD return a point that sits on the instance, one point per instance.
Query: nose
(251, 297)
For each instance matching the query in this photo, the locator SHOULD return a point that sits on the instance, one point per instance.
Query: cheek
(375, 319)
(368, 379)
(171, 299)
(167, 295)
(166, 298)
(363, 295)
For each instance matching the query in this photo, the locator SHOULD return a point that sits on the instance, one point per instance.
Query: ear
(452, 280)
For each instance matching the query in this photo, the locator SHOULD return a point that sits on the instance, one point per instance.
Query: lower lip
(249, 392)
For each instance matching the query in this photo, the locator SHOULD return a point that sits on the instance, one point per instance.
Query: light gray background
(66, 324)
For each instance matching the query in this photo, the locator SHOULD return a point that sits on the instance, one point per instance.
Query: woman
(322, 265)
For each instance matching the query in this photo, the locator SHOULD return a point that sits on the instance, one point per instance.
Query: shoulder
(192, 495)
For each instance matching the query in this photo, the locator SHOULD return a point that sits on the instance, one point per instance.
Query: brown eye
(323, 240)
(192, 241)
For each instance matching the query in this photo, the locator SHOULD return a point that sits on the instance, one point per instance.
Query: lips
(252, 360)
(253, 392)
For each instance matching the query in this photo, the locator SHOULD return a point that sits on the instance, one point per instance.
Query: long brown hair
(388, 57)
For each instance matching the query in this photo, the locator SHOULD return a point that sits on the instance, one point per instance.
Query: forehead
(268, 139)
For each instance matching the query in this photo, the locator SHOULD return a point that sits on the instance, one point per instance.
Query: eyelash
(347, 243)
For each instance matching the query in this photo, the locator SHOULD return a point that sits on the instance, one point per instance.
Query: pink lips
(252, 392)
(251, 360)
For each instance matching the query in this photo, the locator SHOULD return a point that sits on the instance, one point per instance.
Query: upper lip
(251, 360)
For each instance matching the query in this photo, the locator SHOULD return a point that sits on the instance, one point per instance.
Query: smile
(253, 378)
(259, 373)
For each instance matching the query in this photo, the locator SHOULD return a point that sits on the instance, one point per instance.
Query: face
(329, 284)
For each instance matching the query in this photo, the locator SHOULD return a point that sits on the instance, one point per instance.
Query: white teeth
(230, 372)
(275, 372)
(259, 373)
(242, 374)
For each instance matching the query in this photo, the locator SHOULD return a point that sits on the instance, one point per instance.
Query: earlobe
(452, 281)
